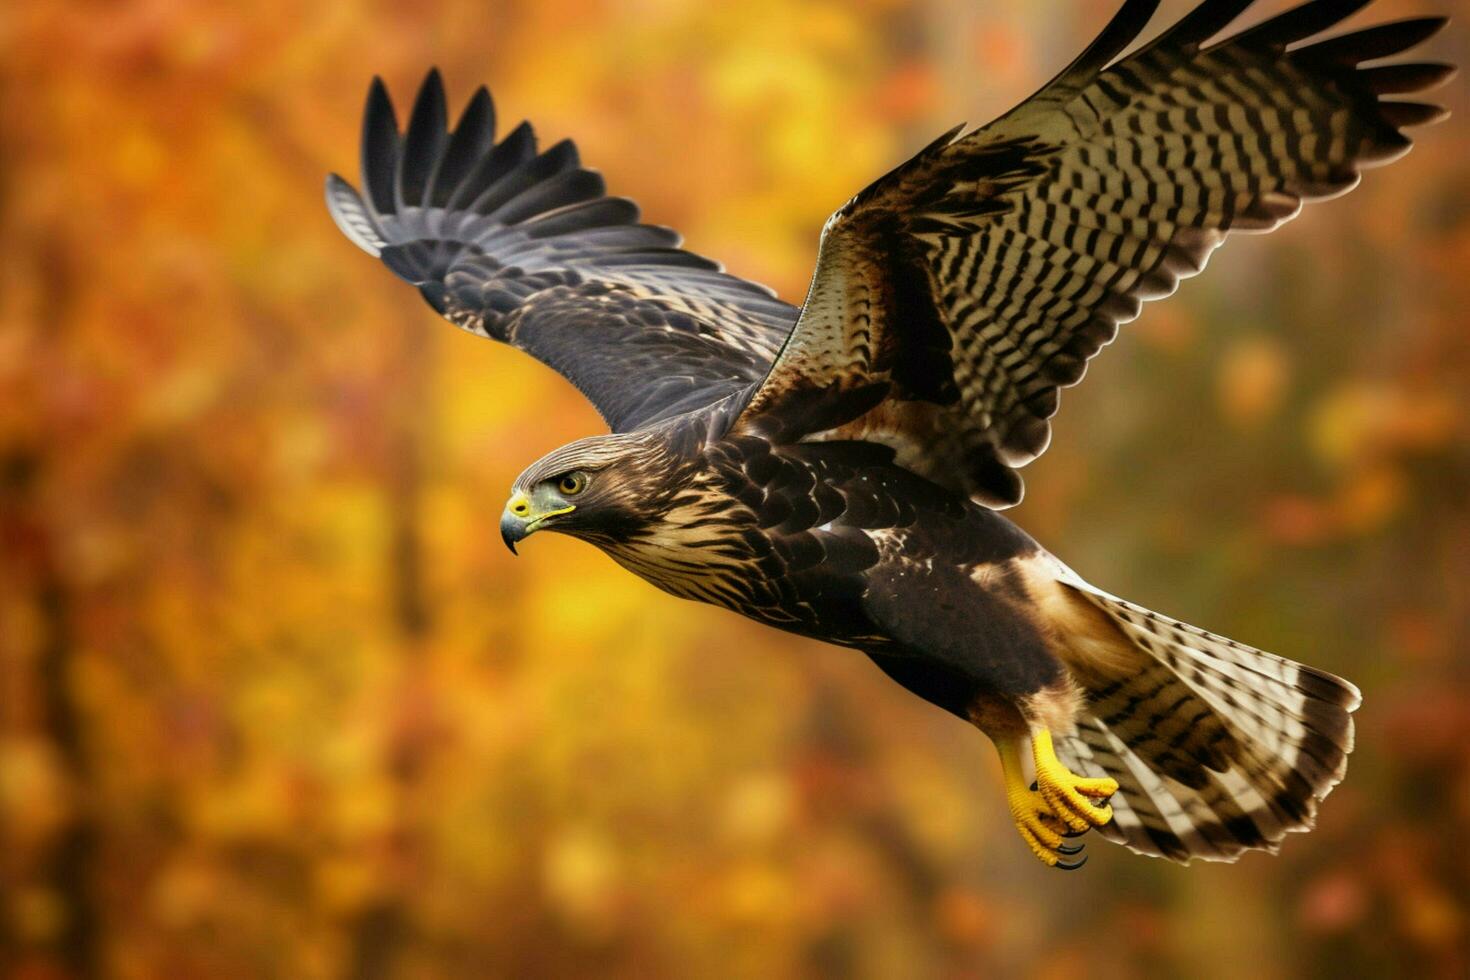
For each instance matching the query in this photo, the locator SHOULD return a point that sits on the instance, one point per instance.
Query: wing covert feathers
(957, 295)
(525, 246)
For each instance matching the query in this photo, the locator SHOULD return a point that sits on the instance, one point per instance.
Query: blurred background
(276, 702)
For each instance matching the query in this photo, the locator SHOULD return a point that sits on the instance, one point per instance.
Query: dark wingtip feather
(473, 136)
(428, 126)
(1116, 35)
(518, 146)
(1401, 114)
(1332, 722)
(514, 179)
(427, 189)
(1323, 686)
(1405, 78)
(380, 147)
(1204, 22)
(482, 94)
(1384, 146)
(558, 191)
(1301, 22)
(617, 214)
(1379, 41)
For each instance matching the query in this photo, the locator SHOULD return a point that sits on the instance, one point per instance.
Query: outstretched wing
(954, 297)
(527, 248)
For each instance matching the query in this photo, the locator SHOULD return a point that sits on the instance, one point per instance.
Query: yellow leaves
(254, 805)
(345, 526)
(302, 448)
(1363, 500)
(579, 603)
(581, 876)
(34, 795)
(1346, 421)
(180, 395)
(138, 159)
(1367, 432)
(184, 891)
(964, 916)
(1431, 917)
(759, 894)
(366, 811)
(750, 79)
(345, 883)
(910, 91)
(199, 44)
(1365, 420)
(1251, 379)
(758, 809)
(1371, 498)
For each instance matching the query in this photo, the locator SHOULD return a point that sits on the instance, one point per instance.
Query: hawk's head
(601, 488)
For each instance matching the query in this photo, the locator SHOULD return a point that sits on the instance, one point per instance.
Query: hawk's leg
(1058, 805)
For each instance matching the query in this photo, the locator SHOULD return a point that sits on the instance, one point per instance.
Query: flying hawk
(837, 469)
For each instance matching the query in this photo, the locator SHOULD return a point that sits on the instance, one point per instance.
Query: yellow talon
(1061, 803)
(1037, 823)
(1070, 797)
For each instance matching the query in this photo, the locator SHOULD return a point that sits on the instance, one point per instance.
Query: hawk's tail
(1218, 748)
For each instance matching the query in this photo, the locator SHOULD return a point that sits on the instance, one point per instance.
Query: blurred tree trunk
(69, 871)
(383, 928)
(64, 874)
(63, 877)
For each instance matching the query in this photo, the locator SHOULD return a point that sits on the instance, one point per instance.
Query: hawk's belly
(935, 588)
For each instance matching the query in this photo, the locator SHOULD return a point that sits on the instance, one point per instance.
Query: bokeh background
(276, 702)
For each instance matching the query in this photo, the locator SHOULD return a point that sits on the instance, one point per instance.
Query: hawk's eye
(571, 484)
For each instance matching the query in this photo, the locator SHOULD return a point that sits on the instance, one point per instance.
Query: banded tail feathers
(1218, 748)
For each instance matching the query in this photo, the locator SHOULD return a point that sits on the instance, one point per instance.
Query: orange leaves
(1363, 502)
(1367, 434)
(1360, 422)
(910, 93)
(1252, 379)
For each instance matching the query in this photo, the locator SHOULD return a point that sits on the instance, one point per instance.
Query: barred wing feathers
(525, 247)
(954, 297)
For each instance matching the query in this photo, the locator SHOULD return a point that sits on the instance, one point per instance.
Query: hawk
(838, 469)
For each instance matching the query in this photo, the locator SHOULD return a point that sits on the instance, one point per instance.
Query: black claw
(1064, 866)
(1034, 787)
(1070, 833)
(1070, 849)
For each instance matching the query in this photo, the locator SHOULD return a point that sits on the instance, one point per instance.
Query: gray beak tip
(511, 531)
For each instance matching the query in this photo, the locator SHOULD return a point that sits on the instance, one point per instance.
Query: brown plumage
(834, 470)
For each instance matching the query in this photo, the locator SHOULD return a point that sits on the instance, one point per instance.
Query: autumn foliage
(276, 702)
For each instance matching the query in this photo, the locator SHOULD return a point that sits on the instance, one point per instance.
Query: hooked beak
(511, 531)
(523, 518)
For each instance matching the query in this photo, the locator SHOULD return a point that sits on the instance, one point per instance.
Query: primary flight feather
(835, 470)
